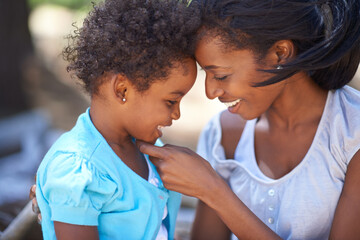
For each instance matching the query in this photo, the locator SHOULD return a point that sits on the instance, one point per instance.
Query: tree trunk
(15, 47)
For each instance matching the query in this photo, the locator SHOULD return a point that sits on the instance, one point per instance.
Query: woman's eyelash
(220, 78)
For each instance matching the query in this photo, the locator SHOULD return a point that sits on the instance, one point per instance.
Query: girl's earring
(279, 67)
(124, 99)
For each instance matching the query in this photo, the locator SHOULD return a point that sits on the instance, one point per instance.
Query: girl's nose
(176, 113)
(213, 89)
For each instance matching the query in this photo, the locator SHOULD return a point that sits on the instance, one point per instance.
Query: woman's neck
(300, 101)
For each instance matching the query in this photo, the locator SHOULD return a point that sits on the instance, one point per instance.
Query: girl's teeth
(233, 103)
(160, 127)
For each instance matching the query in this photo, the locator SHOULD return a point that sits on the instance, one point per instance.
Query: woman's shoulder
(342, 121)
(230, 121)
(225, 122)
(345, 102)
(232, 126)
(350, 96)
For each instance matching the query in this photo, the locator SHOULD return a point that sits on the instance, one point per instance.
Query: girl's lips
(159, 129)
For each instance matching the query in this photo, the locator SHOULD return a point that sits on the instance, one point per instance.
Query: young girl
(288, 147)
(135, 59)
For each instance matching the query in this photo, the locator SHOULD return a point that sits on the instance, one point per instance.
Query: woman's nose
(212, 88)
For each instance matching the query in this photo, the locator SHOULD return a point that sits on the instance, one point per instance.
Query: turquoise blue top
(82, 181)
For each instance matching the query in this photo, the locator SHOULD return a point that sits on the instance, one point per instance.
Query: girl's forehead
(178, 82)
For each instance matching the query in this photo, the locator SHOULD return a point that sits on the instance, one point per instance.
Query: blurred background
(39, 100)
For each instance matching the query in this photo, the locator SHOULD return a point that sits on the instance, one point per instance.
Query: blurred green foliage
(72, 4)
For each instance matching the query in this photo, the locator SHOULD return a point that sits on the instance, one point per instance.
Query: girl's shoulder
(232, 126)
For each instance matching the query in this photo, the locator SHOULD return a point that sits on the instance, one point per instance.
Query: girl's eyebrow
(180, 93)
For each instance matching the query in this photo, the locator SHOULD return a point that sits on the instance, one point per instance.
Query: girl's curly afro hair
(141, 39)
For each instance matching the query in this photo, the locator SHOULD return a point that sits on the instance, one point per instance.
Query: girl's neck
(109, 125)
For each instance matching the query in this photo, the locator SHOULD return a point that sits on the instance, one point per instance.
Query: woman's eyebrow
(211, 67)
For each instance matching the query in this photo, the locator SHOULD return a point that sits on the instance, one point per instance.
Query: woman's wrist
(216, 187)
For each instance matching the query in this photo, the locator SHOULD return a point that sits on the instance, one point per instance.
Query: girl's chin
(151, 137)
(151, 141)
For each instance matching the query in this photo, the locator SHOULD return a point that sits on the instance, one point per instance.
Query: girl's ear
(285, 51)
(120, 85)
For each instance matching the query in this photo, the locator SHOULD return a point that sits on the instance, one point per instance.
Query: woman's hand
(35, 207)
(182, 170)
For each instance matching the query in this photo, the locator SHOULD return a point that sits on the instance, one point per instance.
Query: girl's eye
(171, 103)
(220, 78)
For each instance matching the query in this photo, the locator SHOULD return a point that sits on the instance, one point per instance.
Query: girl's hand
(35, 207)
(182, 170)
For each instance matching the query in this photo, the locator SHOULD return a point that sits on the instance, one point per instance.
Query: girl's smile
(148, 112)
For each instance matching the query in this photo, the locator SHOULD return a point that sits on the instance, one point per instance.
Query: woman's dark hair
(326, 34)
(141, 39)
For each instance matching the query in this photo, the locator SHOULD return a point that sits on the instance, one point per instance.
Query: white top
(301, 204)
(163, 233)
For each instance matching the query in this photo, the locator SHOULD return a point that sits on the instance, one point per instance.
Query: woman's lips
(232, 103)
(233, 106)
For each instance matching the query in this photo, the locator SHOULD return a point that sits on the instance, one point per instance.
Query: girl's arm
(184, 171)
(65, 230)
(346, 224)
(79, 232)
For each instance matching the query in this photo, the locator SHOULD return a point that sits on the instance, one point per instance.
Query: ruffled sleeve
(75, 190)
(343, 125)
(209, 146)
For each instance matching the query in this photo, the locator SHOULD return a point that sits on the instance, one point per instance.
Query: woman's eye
(222, 78)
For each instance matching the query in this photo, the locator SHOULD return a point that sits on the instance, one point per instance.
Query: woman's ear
(285, 51)
(120, 85)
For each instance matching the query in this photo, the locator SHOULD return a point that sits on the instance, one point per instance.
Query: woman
(291, 133)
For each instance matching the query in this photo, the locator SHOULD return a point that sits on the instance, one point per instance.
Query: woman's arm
(184, 171)
(346, 224)
(208, 225)
(69, 231)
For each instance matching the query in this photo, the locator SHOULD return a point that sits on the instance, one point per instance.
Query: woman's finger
(35, 206)
(39, 218)
(32, 191)
(156, 161)
(152, 150)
